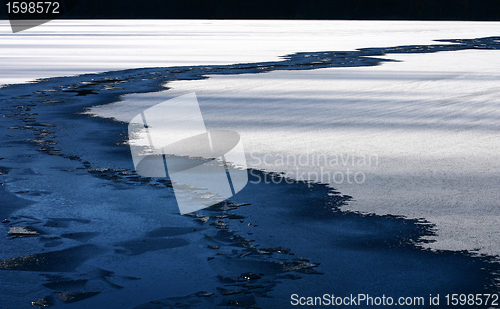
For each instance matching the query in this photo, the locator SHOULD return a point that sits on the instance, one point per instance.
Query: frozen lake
(411, 131)
(430, 119)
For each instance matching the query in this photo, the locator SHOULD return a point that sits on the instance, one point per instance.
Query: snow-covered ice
(70, 47)
(431, 119)
(428, 123)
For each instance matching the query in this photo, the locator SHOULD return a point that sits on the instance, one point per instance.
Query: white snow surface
(429, 124)
(70, 47)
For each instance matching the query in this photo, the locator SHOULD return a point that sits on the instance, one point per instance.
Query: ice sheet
(431, 119)
(429, 124)
(70, 47)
